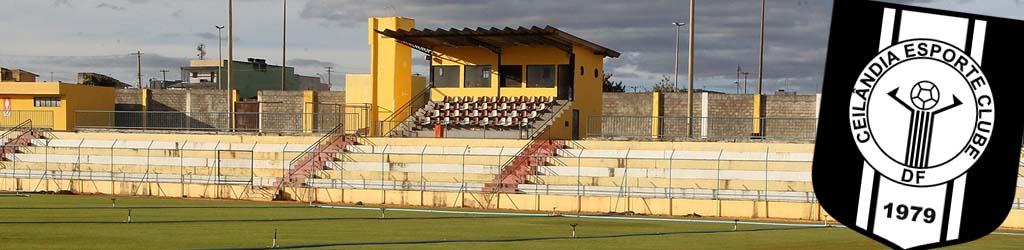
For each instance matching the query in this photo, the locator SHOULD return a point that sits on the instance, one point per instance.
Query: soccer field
(89, 222)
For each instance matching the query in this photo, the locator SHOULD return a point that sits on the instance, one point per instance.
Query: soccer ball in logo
(924, 95)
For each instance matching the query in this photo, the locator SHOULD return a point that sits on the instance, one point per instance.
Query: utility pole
(51, 76)
(329, 75)
(284, 41)
(689, 72)
(760, 61)
(758, 107)
(231, 56)
(738, 70)
(138, 54)
(745, 82)
(164, 71)
(220, 57)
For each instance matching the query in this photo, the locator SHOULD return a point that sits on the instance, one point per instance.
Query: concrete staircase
(18, 136)
(518, 169)
(316, 157)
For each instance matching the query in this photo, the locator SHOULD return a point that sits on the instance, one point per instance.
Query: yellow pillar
(656, 114)
(308, 101)
(231, 107)
(756, 128)
(145, 107)
(390, 70)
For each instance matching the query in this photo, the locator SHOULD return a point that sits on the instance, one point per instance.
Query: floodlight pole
(689, 72)
(284, 42)
(231, 57)
(220, 56)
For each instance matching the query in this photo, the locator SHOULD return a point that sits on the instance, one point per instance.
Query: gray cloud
(727, 33)
(109, 6)
(122, 67)
(59, 3)
(213, 36)
(313, 63)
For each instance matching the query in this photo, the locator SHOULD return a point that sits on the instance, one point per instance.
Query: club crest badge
(911, 149)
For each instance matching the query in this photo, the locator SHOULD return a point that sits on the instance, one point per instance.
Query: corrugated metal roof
(495, 39)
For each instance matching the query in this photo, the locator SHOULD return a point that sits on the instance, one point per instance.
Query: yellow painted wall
(517, 55)
(521, 202)
(390, 83)
(73, 97)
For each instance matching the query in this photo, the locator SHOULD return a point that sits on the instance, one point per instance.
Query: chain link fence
(277, 122)
(701, 128)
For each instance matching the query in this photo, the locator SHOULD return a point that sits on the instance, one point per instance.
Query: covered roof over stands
(494, 39)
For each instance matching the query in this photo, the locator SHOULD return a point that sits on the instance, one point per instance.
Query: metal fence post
(383, 173)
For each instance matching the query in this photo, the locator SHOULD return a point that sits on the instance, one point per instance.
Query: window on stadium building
(478, 76)
(47, 101)
(445, 76)
(512, 76)
(540, 76)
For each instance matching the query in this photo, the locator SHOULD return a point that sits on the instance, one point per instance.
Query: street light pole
(220, 57)
(284, 42)
(689, 72)
(675, 70)
(231, 57)
(760, 60)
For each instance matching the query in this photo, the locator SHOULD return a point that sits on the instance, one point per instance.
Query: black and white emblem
(911, 149)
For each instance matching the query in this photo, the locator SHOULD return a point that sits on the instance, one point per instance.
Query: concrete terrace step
(142, 161)
(686, 155)
(429, 150)
(170, 145)
(676, 173)
(414, 168)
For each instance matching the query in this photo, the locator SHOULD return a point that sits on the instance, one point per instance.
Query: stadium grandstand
(511, 118)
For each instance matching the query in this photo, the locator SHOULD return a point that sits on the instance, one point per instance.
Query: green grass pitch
(89, 222)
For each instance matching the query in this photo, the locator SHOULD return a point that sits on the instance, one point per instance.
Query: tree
(95, 79)
(666, 85)
(612, 86)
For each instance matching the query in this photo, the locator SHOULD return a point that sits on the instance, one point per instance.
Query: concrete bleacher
(748, 171)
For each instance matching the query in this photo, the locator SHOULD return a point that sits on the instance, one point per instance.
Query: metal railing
(668, 174)
(40, 118)
(214, 121)
(701, 128)
(397, 119)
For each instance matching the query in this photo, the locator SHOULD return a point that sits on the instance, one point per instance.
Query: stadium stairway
(23, 134)
(316, 157)
(523, 165)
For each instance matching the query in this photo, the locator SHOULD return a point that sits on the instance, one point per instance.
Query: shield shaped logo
(919, 137)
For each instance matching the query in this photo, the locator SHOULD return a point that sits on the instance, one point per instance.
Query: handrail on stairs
(394, 114)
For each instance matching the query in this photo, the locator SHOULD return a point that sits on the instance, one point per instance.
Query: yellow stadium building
(484, 82)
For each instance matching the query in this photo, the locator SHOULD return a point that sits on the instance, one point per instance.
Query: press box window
(512, 76)
(47, 101)
(478, 76)
(445, 76)
(540, 76)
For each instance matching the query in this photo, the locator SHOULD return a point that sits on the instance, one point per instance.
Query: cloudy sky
(64, 37)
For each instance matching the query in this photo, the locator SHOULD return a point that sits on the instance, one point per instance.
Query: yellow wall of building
(586, 90)
(73, 97)
(517, 55)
